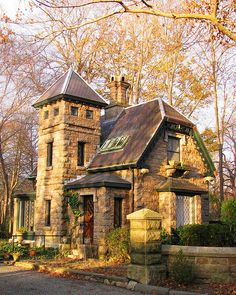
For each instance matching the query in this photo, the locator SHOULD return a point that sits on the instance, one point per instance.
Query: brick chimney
(118, 94)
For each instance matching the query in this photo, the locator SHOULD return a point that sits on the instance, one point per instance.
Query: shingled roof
(71, 85)
(178, 185)
(99, 180)
(140, 124)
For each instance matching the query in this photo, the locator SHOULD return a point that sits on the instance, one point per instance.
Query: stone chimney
(118, 94)
(118, 90)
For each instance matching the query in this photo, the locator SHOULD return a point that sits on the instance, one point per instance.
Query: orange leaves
(5, 31)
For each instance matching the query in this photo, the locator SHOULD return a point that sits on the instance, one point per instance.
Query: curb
(117, 281)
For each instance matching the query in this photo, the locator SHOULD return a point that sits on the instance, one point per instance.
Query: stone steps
(84, 252)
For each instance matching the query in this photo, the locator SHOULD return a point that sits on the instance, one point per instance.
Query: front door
(88, 219)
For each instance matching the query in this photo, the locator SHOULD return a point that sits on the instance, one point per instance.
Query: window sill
(49, 168)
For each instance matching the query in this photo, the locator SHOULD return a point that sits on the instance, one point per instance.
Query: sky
(10, 7)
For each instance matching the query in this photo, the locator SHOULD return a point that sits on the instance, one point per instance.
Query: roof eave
(205, 153)
(69, 97)
(25, 196)
(174, 120)
(182, 191)
(113, 167)
(99, 184)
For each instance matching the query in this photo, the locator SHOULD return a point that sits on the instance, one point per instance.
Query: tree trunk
(218, 131)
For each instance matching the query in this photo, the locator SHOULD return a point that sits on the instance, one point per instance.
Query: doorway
(88, 209)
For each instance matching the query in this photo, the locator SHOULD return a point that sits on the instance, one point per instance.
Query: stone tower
(69, 133)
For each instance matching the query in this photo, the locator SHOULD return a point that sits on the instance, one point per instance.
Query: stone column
(146, 266)
(167, 207)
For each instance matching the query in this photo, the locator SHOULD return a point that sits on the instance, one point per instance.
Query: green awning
(26, 196)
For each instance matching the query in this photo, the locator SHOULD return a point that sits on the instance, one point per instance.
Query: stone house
(118, 158)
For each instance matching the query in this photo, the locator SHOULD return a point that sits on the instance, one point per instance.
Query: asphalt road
(15, 281)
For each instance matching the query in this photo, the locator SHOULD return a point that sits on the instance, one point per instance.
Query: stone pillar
(167, 207)
(145, 229)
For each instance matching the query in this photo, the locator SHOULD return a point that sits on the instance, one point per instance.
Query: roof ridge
(89, 86)
(67, 81)
(49, 88)
(162, 109)
(144, 102)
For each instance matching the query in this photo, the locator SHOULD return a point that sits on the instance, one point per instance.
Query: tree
(229, 159)
(128, 46)
(216, 61)
(219, 14)
(17, 121)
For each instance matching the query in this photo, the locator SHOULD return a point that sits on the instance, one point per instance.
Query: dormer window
(74, 111)
(114, 144)
(56, 112)
(89, 114)
(173, 150)
(46, 115)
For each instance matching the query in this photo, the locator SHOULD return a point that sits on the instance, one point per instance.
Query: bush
(228, 213)
(165, 237)
(117, 242)
(211, 235)
(181, 270)
(48, 253)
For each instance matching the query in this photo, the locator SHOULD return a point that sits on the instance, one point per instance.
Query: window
(173, 152)
(80, 154)
(117, 212)
(49, 154)
(25, 214)
(115, 143)
(56, 111)
(74, 111)
(46, 114)
(21, 213)
(89, 114)
(185, 210)
(47, 212)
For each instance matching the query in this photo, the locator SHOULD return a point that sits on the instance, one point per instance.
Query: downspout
(132, 203)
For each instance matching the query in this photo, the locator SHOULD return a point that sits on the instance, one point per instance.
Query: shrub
(117, 242)
(228, 213)
(213, 235)
(181, 270)
(169, 238)
(48, 253)
(165, 237)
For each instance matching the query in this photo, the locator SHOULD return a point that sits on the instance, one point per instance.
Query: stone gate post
(146, 266)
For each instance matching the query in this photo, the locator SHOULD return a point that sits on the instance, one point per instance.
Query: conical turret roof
(71, 86)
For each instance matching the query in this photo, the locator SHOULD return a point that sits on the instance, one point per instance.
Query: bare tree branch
(211, 17)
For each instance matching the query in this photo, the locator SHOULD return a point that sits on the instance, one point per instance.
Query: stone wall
(210, 263)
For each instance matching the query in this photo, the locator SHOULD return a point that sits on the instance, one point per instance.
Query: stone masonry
(144, 186)
(146, 263)
(64, 131)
